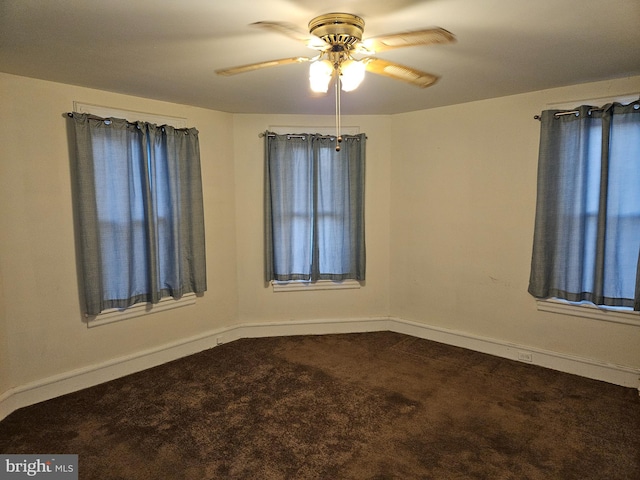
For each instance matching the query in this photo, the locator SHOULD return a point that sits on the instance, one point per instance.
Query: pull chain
(338, 126)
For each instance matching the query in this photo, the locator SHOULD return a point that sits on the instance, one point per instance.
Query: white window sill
(309, 286)
(116, 315)
(608, 314)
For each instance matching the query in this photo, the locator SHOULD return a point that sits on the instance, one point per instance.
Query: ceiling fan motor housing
(342, 29)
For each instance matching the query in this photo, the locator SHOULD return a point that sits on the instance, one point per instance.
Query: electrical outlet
(525, 357)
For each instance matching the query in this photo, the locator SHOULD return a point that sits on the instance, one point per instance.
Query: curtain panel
(139, 208)
(314, 207)
(587, 229)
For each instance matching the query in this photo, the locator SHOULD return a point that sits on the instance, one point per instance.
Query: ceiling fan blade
(429, 36)
(256, 66)
(399, 72)
(291, 31)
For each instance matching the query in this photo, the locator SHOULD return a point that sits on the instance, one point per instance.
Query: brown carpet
(357, 406)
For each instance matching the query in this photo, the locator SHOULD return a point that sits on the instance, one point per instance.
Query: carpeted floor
(357, 406)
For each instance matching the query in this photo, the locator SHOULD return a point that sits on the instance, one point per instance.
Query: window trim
(288, 129)
(621, 315)
(306, 286)
(113, 315)
(623, 98)
(130, 115)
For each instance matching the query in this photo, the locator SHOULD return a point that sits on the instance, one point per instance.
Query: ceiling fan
(338, 38)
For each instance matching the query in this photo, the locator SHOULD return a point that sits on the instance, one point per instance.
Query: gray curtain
(138, 195)
(587, 232)
(314, 207)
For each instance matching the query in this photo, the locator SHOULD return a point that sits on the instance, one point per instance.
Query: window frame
(585, 309)
(114, 315)
(319, 285)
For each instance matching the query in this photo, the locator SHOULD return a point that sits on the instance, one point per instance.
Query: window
(314, 208)
(587, 232)
(138, 196)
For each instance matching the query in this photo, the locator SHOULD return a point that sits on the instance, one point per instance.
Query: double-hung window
(587, 232)
(138, 196)
(314, 208)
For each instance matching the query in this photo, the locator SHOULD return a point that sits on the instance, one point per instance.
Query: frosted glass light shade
(352, 74)
(320, 74)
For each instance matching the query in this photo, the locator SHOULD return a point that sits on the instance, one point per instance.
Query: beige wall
(260, 304)
(41, 324)
(450, 203)
(463, 190)
(5, 380)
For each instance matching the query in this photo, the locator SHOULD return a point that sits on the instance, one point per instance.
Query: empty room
(393, 239)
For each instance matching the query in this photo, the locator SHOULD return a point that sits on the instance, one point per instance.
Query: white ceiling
(169, 49)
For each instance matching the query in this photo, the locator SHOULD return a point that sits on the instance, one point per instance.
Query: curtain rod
(133, 124)
(271, 135)
(290, 135)
(576, 112)
(570, 112)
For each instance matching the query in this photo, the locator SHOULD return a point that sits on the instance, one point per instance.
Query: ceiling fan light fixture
(320, 74)
(352, 74)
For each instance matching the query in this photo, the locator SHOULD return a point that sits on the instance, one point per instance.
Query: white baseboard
(89, 376)
(622, 375)
(75, 380)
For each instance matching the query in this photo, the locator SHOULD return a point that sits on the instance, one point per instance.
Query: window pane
(291, 174)
(119, 173)
(623, 208)
(333, 212)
